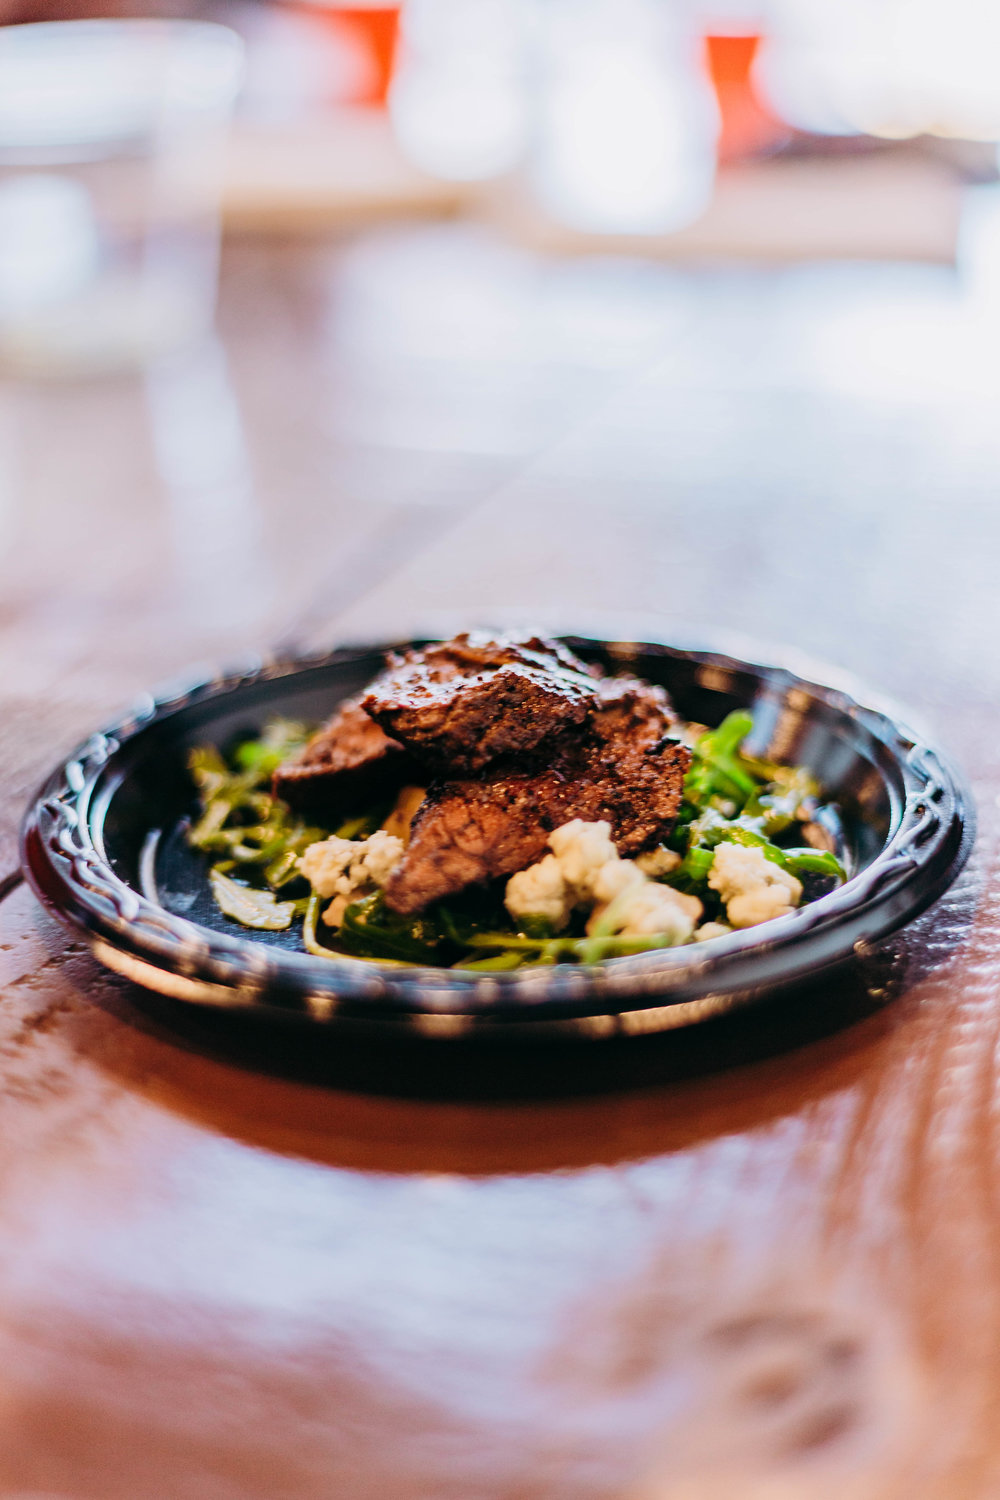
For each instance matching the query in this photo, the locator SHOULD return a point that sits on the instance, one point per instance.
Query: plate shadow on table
(492, 1066)
(479, 1106)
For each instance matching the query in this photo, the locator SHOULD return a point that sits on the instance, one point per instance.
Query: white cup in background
(111, 147)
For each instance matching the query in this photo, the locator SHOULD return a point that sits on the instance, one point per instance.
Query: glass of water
(112, 136)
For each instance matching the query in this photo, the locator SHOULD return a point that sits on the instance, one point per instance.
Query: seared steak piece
(351, 760)
(623, 769)
(458, 724)
(464, 703)
(476, 650)
(346, 765)
(628, 706)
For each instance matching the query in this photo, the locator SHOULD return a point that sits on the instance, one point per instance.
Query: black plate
(103, 849)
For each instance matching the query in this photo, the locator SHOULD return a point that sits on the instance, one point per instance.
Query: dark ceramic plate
(103, 848)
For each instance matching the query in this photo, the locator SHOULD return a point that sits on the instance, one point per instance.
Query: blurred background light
(459, 98)
(627, 119)
(889, 68)
(297, 66)
(594, 120)
(358, 48)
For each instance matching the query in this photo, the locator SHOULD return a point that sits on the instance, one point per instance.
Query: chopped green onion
(813, 862)
(280, 740)
(372, 931)
(354, 828)
(499, 961)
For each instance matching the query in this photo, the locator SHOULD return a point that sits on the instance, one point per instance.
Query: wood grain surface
(755, 1261)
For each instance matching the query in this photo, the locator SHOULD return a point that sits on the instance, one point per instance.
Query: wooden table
(759, 1260)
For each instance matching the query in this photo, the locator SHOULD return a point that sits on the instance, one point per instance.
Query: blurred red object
(371, 32)
(748, 129)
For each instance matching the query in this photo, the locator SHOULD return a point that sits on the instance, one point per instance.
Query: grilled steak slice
(347, 764)
(476, 650)
(461, 724)
(630, 707)
(464, 703)
(624, 769)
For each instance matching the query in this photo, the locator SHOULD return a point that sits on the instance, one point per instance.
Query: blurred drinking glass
(111, 146)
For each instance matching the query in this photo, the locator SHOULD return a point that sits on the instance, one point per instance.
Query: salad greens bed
(255, 840)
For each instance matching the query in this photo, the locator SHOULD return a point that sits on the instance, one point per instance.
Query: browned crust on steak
(348, 763)
(459, 705)
(477, 649)
(624, 770)
(629, 706)
(461, 724)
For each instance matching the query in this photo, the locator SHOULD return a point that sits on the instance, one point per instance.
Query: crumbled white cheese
(586, 870)
(651, 908)
(383, 851)
(753, 888)
(541, 891)
(333, 865)
(348, 869)
(754, 907)
(709, 930)
(326, 864)
(584, 867)
(581, 849)
(615, 877)
(659, 861)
